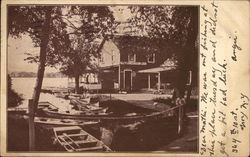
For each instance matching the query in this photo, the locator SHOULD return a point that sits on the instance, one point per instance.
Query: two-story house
(132, 63)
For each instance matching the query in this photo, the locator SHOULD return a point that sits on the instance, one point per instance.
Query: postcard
(125, 78)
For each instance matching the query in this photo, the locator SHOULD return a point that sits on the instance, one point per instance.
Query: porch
(164, 76)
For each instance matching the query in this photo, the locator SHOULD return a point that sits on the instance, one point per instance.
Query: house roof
(136, 44)
(157, 69)
(169, 64)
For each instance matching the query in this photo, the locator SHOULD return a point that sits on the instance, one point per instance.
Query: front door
(128, 80)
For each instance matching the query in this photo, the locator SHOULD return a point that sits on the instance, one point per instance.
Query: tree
(14, 99)
(176, 25)
(78, 61)
(51, 30)
(93, 23)
(46, 29)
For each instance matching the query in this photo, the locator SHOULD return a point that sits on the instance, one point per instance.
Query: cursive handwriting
(236, 48)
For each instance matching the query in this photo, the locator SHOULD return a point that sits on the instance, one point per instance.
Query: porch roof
(158, 69)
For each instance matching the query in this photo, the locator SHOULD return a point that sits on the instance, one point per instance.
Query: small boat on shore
(76, 96)
(24, 110)
(85, 105)
(95, 108)
(45, 105)
(74, 114)
(62, 95)
(86, 115)
(54, 122)
(17, 110)
(76, 102)
(75, 139)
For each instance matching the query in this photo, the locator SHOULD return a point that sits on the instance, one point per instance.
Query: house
(132, 63)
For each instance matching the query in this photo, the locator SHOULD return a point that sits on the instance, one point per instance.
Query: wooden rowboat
(24, 110)
(62, 95)
(95, 108)
(76, 102)
(106, 116)
(85, 105)
(16, 110)
(75, 139)
(73, 114)
(46, 104)
(54, 122)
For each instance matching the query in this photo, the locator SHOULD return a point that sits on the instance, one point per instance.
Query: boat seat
(80, 134)
(90, 148)
(81, 142)
(83, 136)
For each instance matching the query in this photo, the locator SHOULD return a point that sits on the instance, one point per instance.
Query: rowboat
(17, 110)
(75, 139)
(76, 102)
(54, 122)
(24, 110)
(73, 114)
(85, 105)
(62, 95)
(78, 96)
(94, 107)
(87, 115)
(88, 108)
(46, 104)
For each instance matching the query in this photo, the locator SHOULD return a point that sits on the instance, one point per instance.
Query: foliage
(30, 20)
(70, 39)
(93, 23)
(174, 25)
(145, 45)
(14, 99)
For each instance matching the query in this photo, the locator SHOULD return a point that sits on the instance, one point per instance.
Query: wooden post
(159, 81)
(180, 118)
(149, 79)
(119, 77)
(31, 126)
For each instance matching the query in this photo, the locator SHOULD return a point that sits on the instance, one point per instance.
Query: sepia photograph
(102, 78)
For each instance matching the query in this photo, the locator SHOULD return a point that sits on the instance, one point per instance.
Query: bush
(14, 99)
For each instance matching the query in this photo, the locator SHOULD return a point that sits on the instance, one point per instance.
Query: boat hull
(107, 117)
(53, 122)
(75, 139)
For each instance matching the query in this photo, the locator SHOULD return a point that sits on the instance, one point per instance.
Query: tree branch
(151, 22)
(71, 23)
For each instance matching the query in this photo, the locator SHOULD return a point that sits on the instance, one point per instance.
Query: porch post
(119, 77)
(159, 80)
(149, 81)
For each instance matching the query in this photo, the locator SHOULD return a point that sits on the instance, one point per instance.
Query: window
(151, 58)
(131, 57)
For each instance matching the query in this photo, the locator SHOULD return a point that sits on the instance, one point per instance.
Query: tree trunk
(77, 87)
(187, 57)
(42, 60)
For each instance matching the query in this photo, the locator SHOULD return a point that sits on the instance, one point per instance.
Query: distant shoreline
(33, 74)
(35, 77)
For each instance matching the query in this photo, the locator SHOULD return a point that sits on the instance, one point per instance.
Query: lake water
(25, 87)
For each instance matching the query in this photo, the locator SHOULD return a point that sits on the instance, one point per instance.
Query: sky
(18, 47)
